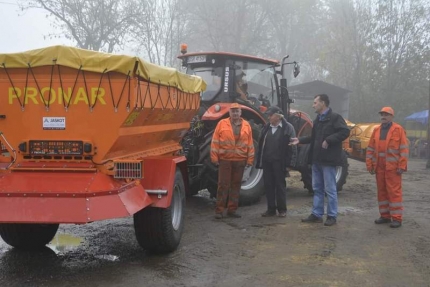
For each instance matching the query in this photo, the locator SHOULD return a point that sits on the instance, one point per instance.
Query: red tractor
(256, 84)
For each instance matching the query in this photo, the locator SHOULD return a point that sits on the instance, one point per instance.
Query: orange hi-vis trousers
(389, 184)
(230, 175)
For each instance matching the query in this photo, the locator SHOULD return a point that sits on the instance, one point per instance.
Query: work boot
(395, 224)
(234, 214)
(330, 221)
(268, 214)
(218, 216)
(312, 219)
(382, 220)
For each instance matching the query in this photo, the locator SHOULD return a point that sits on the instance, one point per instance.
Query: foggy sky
(26, 32)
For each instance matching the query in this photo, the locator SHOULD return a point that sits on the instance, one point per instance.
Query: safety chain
(183, 99)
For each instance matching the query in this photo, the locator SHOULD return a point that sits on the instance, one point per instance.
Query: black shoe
(382, 220)
(330, 221)
(395, 224)
(312, 219)
(268, 214)
(234, 215)
(218, 216)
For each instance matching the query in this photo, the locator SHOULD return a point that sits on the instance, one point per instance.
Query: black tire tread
(307, 175)
(28, 236)
(153, 226)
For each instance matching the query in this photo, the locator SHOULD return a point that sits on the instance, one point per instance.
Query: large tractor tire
(28, 236)
(252, 182)
(341, 174)
(159, 230)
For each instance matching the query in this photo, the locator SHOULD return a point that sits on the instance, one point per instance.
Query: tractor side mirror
(296, 71)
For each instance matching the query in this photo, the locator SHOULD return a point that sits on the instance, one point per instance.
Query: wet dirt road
(250, 251)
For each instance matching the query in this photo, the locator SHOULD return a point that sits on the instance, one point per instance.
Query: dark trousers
(230, 175)
(275, 186)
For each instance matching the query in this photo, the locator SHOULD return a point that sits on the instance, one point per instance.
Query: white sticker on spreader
(54, 123)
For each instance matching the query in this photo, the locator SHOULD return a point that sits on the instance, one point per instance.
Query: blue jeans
(324, 182)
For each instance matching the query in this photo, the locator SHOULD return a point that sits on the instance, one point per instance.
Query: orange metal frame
(84, 196)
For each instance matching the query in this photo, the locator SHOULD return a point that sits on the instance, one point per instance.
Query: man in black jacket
(274, 155)
(328, 132)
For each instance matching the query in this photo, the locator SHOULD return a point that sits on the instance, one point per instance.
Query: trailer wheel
(159, 230)
(252, 182)
(341, 174)
(28, 236)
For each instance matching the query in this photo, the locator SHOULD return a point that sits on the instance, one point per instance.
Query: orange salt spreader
(89, 136)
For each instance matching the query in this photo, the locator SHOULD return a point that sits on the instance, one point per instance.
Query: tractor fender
(220, 110)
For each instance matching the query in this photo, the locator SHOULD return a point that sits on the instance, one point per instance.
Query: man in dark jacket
(328, 132)
(274, 155)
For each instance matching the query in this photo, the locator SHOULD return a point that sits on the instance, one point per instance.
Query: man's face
(274, 119)
(235, 113)
(318, 105)
(386, 117)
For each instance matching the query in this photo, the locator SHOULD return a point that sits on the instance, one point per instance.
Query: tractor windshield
(257, 81)
(253, 81)
(212, 77)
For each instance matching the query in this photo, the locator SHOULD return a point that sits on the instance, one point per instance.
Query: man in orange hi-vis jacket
(387, 156)
(232, 149)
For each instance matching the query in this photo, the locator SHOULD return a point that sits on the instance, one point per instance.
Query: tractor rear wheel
(341, 174)
(28, 236)
(252, 182)
(159, 230)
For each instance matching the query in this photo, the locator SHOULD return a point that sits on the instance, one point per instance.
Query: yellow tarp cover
(103, 62)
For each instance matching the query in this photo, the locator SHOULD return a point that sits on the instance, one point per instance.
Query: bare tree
(404, 45)
(95, 25)
(379, 50)
(159, 31)
(235, 26)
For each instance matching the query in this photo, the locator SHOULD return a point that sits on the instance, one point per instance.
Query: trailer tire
(341, 174)
(252, 188)
(28, 236)
(159, 230)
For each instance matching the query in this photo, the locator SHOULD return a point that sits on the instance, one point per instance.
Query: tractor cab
(234, 77)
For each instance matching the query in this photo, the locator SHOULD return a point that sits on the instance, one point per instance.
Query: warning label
(54, 123)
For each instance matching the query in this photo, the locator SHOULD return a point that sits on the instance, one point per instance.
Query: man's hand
(400, 171)
(325, 145)
(215, 163)
(294, 141)
(372, 171)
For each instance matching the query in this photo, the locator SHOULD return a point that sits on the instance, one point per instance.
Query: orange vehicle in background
(359, 140)
(89, 136)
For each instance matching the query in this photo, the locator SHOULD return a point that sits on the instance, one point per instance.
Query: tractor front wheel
(252, 187)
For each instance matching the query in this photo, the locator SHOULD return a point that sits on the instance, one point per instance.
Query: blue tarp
(421, 117)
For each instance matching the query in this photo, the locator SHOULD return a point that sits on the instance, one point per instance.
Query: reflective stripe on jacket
(225, 147)
(397, 149)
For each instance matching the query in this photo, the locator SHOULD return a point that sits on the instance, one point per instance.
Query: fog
(377, 49)
(22, 31)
